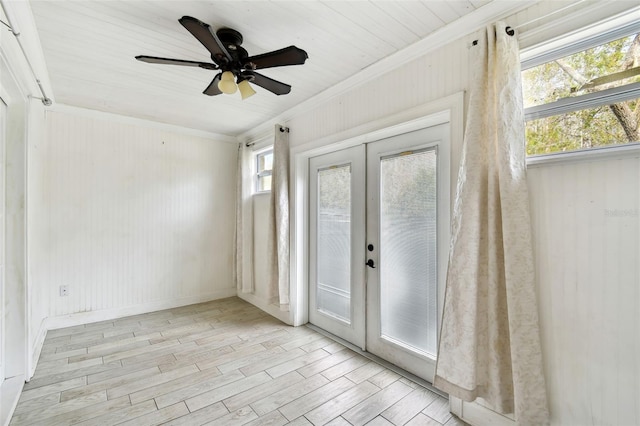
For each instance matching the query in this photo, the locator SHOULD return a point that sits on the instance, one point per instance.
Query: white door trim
(446, 110)
(16, 321)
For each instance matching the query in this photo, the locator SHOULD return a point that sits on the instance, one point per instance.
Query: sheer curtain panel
(244, 221)
(279, 220)
(489, 341)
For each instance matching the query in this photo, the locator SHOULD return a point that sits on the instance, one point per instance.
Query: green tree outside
(610, 65)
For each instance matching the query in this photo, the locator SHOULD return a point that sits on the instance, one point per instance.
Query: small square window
(264, 164)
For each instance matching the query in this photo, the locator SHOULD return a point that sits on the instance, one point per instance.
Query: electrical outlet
(64, 290)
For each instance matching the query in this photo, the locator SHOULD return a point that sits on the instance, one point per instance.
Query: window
(264, 164)
(584, 95)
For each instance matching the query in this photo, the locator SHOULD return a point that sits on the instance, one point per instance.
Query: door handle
(371, 264)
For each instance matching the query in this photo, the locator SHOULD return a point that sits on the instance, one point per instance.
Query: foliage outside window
(588, 99)
(264, 165)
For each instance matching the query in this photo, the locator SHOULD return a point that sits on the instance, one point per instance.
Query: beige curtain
(244, 222)
(489, 341)
(279, 220)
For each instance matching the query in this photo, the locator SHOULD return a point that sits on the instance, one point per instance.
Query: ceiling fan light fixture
(227, 84)
(246, 90)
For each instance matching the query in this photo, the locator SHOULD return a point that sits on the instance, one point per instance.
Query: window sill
(630, 150)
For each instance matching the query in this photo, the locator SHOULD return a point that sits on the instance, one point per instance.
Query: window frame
(567, 45)
(258, 175)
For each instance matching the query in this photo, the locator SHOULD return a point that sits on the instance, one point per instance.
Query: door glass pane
(334, 242)
(408, 275)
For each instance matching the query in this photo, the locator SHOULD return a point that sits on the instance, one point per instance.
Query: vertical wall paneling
(586, 225)
(133, 218)
(426, 79)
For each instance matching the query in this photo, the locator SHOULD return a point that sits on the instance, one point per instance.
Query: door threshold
(410, 376)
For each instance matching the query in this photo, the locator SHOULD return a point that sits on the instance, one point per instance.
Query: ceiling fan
(233, 61)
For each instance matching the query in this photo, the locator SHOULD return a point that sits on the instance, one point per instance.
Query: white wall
(586, 218)
(129, 217)
(588, 304)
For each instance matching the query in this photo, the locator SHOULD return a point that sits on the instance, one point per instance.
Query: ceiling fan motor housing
(231, 40)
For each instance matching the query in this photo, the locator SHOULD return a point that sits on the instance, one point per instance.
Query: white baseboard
(478, 415)
(80, 318)
(10, 390)
(36, 348)
(271, 309)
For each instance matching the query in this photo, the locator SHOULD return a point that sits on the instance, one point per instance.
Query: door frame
(363, 329)
(446, 110)
(16, 356)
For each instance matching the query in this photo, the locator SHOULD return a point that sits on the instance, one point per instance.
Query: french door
(337, 229)
(379, 219)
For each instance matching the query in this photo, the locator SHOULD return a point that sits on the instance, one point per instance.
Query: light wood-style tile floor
(219, 363)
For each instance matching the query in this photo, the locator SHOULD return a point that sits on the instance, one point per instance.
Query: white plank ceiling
(89, 48)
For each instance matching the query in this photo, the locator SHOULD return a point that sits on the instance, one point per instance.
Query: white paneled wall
(428, 78)
(38, 311)
(587, 252)
(130, 218)
(586, 220)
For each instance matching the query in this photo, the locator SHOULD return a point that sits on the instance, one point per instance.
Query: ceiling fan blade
(270, 84)
(169, 61)
(288, 56)
(212, 89)
(208, 38)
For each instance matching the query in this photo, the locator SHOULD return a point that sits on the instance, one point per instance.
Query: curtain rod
(510, 31)
(16, 33)
(282, 129)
